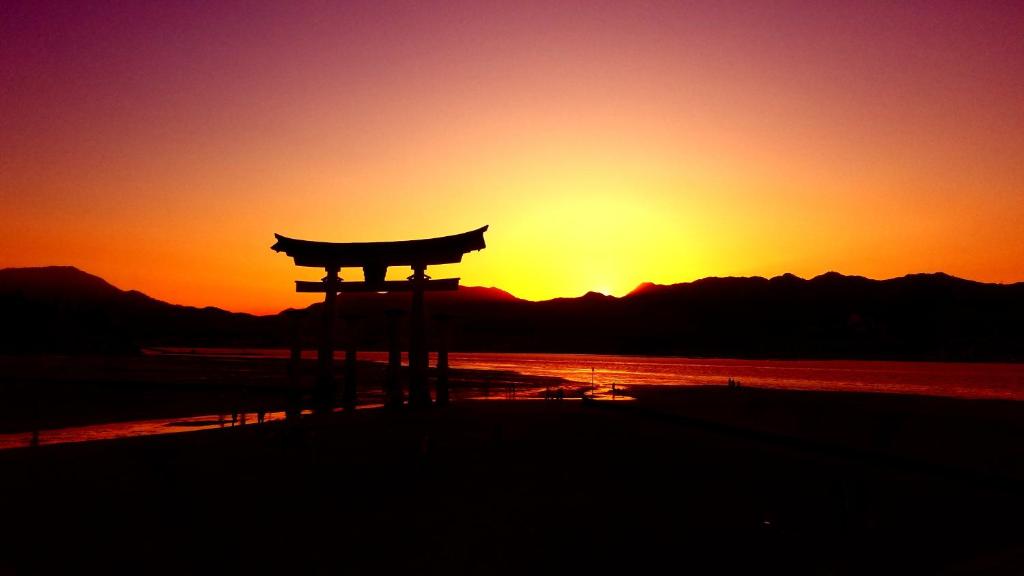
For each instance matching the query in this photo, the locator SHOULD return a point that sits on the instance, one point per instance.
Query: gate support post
(324, 393)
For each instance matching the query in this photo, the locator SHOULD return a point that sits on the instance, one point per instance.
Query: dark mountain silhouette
(63, 309)
(919, 316)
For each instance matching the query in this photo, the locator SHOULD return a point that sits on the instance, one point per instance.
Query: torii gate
(375, 258)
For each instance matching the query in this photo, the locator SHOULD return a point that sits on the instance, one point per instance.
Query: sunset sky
(606, 144)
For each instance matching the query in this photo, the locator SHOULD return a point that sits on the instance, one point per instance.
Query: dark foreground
(683, 481)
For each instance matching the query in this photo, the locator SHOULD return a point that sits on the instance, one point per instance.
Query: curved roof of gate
(423, 252)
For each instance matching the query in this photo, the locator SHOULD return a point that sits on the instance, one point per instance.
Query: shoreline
(971, 436)
(52, 393)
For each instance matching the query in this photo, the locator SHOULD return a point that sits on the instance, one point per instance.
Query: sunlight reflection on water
(960, 380)
(115, 430)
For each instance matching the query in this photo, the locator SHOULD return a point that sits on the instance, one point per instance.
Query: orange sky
(605, 144)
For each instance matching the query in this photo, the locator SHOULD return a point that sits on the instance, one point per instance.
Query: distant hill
(63, 309)
(57, 283)
(919, 316)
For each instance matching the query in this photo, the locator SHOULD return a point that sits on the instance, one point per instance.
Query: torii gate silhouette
(375, 258)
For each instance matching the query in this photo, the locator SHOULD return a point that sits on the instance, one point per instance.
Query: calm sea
(1004, 381)
(962, 380)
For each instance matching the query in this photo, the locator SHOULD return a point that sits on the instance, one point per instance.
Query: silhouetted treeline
(920, 316)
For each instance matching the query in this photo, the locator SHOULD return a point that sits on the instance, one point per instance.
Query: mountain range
(918, 316)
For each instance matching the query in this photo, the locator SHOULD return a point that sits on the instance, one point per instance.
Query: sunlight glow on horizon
(161, 147)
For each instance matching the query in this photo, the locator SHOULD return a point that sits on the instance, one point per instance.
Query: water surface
(960, 380)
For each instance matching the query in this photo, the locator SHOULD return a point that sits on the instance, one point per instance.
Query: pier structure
(375, 258)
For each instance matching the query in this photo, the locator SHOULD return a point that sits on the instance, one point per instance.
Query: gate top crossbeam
(380, 255)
